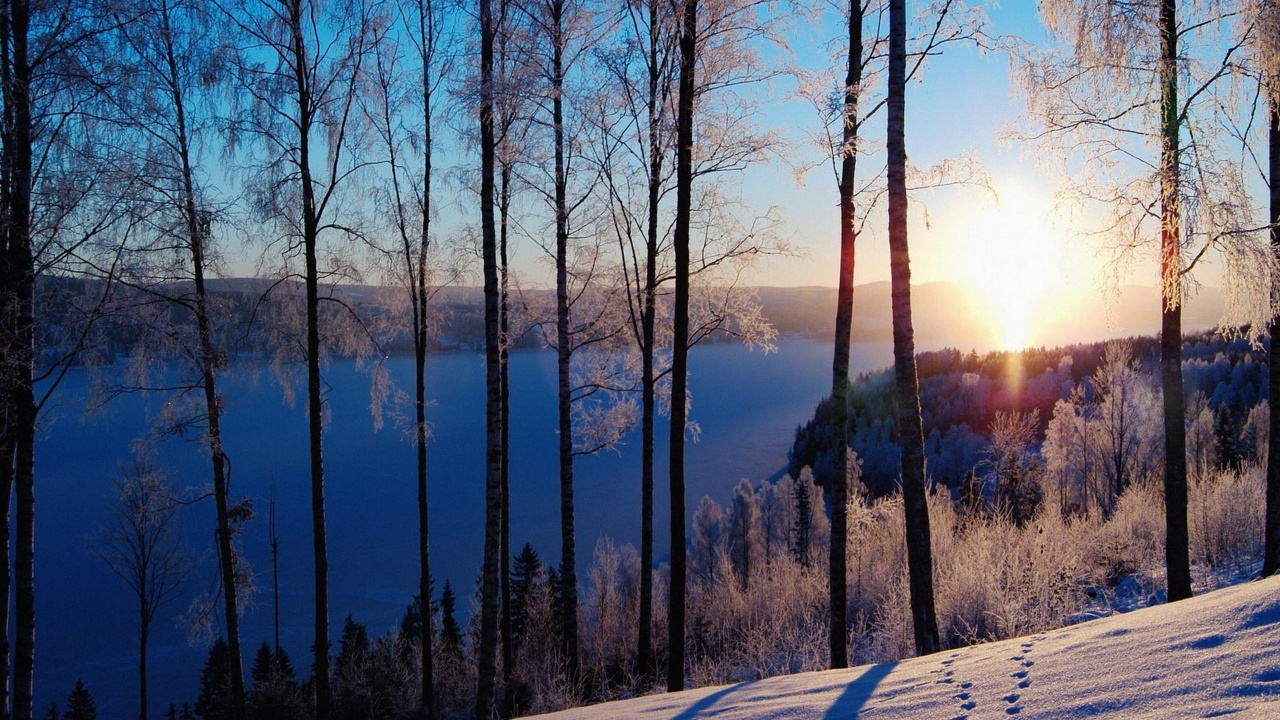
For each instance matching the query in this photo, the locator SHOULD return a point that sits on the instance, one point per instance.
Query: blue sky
(959, 107)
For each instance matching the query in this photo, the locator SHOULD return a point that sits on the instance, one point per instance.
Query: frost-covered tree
(1133, 95)
(409, 68)
(777, 517)
(174, 54)
(142, 544)
(300, 88)
(745, 535)
(708, 542)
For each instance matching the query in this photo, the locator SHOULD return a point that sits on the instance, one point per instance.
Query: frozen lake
(747, 403)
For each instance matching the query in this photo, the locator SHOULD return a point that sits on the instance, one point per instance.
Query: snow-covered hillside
(1213, 656)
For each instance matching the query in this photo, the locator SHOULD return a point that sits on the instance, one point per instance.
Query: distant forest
(963, 395)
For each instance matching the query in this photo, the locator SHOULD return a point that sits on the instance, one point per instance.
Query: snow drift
(1211, 656)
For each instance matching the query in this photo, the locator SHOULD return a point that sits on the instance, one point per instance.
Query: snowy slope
(1213, 656)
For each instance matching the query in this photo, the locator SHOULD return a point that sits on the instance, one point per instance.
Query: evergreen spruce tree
(524, 578)
(274, 694)
(80, 705)
(214, 702)
(53, 713)
(411, 631)
(450, 631)
(802, 532)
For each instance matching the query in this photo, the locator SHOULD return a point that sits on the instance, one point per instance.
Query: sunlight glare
(1015, 259)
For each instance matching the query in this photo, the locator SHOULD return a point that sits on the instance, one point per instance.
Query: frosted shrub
(756, 611)
(1131, 543)
(1225, 514)
(995, 579)
(784, 624)
(611, 611)
(878, 580)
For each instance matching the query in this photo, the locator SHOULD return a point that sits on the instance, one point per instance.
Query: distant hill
(945, 313)
(956, 314)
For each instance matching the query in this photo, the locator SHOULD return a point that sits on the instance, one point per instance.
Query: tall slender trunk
(315, 399)
(648, 383)
(7, 451)
(23, 408)
(680, 344)
(144, 627)
(493, 400)
(1271, 556)
(426, 701)
(426, 705)
(564, 349)
(910, 433)
(8, 334)
(504, 379)
(275, 571)
(1177, 553)
(838, 576)
(198, 233)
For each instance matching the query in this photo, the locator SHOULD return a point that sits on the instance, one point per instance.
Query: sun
(1014, 257)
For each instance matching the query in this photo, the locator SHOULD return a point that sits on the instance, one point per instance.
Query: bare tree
(1264, 15)
(63, 200)
(634, 153)
(838, 565)
(142, 544)
(680, 342)
(910, 433)
(407, 82)
(301, 74)
(173, 67)
(489, 585)
(1138, 91)
(563, 31)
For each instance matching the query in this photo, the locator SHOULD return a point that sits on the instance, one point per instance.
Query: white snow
(1217, 655)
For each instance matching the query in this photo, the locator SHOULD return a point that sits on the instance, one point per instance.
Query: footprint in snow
(1018, 675)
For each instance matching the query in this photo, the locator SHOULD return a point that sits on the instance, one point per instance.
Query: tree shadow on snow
(858, 692)
(691, 712)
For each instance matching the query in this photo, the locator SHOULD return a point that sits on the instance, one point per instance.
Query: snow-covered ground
(1217, 655)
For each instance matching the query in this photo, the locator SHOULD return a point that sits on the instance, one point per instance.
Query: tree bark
(142, 665)
(8, 335)
(315, 399)
(1177, 553)
(838, 575)
(648, 383)
(910, 433)
(680, 344)
(426, 702)
(504, 378)
(198, 233)
(1271, 555)
(23, 407)
(487, 651)
(6, 570)
(564, 350)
